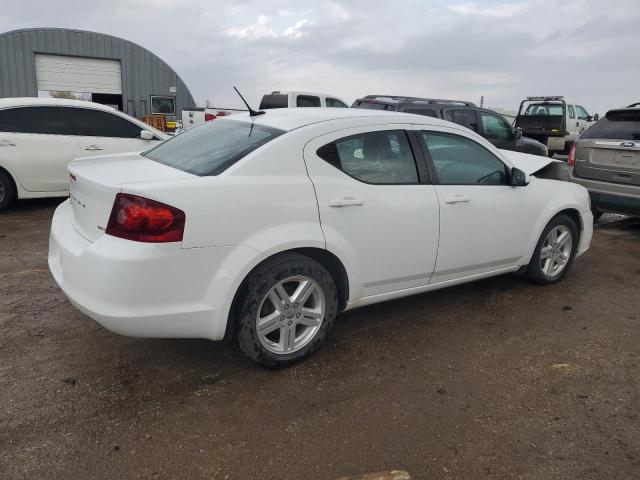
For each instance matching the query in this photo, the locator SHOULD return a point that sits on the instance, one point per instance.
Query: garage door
(78, 74)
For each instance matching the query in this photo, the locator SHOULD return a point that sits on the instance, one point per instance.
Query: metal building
(56, 62)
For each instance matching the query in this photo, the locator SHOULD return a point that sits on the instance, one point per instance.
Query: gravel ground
(495, 379)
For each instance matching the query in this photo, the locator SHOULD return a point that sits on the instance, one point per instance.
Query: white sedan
(265, 227)
(40, 136)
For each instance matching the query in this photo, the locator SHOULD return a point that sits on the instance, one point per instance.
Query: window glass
(626, 129)
(428, 112)
(43, 120)
(371, 105)
(212, 148)
(582, 113)
(334, 102)
(376, 157)
(461, 161)
(545, 109)
(307, 101)
(274, 101)
(572, 113)
(96, 123)
(494, 127)
(165, 105)
(466, 118)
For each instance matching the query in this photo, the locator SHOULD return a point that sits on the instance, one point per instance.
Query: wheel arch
(16, 187)
(571, 211)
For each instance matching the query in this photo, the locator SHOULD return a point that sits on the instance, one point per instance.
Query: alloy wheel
(556, 251)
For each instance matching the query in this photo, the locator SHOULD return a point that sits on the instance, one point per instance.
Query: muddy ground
(496, 379)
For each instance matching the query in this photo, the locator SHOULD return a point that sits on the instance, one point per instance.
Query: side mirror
(589, 118)
(596, 117)
(146, 135)
(518, 178)
(517, 133)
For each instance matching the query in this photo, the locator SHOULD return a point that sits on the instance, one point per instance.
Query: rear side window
(466, 118)
(572, 112)
(307, 101)
(376, 157)
(614, 129)
(427, 112)
(42, 120)
(274, 101)
(94, 123)
(461, 161)
(212, 148)
(334, 102)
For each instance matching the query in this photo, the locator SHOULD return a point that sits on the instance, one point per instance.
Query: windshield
(614, 130)
(212, 148)
(545, 109)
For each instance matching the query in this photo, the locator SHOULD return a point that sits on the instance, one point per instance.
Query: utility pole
(482, 101)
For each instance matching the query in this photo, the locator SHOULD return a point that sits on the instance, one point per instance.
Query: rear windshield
(274, 101)
(544, 109)
(614, 130)
(212, 148)
(373, 105)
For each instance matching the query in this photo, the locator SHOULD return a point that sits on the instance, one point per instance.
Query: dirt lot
(497, 379)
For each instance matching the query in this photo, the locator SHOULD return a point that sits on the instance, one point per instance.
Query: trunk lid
(616, 161)
(94, 183)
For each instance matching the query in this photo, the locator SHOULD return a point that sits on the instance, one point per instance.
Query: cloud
(503, 10)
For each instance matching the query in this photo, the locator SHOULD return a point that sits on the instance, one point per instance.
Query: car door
(377, 209)
(36, 144)
(573, 124)
(497, 131)
(467, 117)
(583, 119)
(102, 133)
(485, 224)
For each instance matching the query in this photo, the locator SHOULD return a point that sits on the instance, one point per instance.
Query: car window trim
(421, 178)
(432, 166)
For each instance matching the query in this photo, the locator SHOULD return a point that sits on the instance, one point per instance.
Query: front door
(497, 131)
(377, 210)
(485, 224)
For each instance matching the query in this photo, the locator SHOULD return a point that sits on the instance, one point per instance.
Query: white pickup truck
(280, 99)
(553, 122)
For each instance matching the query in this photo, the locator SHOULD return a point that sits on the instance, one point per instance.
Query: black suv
(491, 125)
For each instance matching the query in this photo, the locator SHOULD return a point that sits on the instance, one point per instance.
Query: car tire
(553, 257)
(7, 190)
(272, 328)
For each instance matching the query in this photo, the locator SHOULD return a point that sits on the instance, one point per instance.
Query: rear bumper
(611, 197)
(138, 289)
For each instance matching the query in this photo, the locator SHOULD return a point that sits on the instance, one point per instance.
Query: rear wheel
(7, 190)
(554, 252)
(289, 305)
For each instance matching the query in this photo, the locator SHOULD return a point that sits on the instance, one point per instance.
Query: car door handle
(346, 202)
(7, 143)
(94, 148)
(456, 198)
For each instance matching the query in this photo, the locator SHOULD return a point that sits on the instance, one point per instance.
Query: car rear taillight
(143, 220)
(571, 159)
(209, 116)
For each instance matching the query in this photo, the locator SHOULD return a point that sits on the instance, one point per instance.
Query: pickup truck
(280, 99)
(553, 122)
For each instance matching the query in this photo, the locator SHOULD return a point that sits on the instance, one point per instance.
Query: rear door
(36, 144)
(377, 208)
(466, 117)
(102, 133)
(610, 150)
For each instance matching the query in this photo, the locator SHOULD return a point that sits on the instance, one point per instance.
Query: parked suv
(279, 99)
(40, 136)
(491, 125)
(606, 160)
(553, 121)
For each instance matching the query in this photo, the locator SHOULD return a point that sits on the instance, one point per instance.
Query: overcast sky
(586, 50)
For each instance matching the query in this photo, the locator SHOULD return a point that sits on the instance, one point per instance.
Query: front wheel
(288, 307)
(554, 252)
(7, 191)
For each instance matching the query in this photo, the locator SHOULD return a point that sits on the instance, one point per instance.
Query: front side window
(307, 101)
(494, 127)
(466, 118)
(582, 113)
(383, 157)
(461, 161)
(163, 105)
(334, 102)
(42, 120)
(96, 123)
(212, 148)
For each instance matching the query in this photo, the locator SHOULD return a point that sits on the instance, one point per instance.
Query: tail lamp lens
(209, 116)
(571, 159)
(143, 220)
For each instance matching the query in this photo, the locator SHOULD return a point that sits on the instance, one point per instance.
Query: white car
(40, 136)
(278, 99)
(266, 227)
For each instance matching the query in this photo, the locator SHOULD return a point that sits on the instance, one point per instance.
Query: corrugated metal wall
(143, 73)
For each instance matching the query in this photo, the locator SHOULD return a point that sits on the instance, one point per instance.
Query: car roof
(56, 102)
(299, 92)
(292, 118)
(399, 99)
